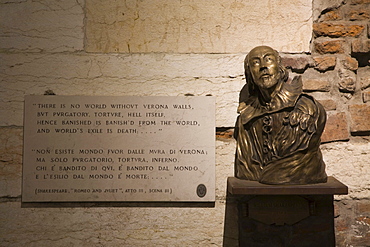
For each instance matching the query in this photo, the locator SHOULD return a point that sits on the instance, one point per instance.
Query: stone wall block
(362, 231)
(330, 46)
(320, 85)
(39, 26)
(352, 226)
(358, 13)
(296, 63)
(349, 163)
(361, 46)
(360, 114)
(123, 66)
(347, 81)
(111, 226)
(10, 161)
(328, 104)
(342, 215)
(337, 30)
(350, 63)
(110, 74)
(225, 134)
(226, 91)
(363, 208)
(324, 63)
(169, 26)
(336, 128)
(331, 15)
(363, 75)
(353, 2)
(366, 97)
(321, 7)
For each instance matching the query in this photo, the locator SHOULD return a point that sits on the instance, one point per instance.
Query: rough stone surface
(359, 1)
(352, 223)
(361, 46)
(347, 82)
(328, 104)
(111, 226)
(296, 63)
(324, 63)
(10, 161)
(332, 15)
(225, 134)
(336, 128)
(42, 50)
(366, 97)
(140, 74)
(350, 63)
(322, 6)
(45, 25)
(337, 30)
(359, 13)
(360, 118)
(196, 27)
(348, 162)
(316, 85)
(363, 75)
(329, 47)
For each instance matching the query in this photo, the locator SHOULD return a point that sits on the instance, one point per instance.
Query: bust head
(263, 68)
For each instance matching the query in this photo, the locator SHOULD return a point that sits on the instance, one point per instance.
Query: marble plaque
(129, 148)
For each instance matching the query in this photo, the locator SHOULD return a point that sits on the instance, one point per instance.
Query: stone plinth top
(245, 187)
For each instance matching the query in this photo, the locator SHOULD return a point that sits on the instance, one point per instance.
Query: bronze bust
(279, 127)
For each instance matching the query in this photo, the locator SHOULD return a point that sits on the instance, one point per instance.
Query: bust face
(264, 67)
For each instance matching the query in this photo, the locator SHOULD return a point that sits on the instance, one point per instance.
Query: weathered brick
(329, 47)
(361, 46)
(359, 14)
(316, 85)
(350, 63)
(328, 104)
(336, 128)
(296, 62)
(337, 30)
(360, 115)
(366, 97)
(324, 63)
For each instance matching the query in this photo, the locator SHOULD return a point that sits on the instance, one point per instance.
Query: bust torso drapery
(279, 128)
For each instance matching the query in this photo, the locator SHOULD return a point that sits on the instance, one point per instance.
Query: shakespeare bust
(278, 129)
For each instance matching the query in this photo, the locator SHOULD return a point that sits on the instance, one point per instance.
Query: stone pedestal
(285, 215)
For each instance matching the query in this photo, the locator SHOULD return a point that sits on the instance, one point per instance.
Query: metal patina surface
(279, 127)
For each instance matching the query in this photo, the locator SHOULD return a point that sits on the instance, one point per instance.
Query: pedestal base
(285, 215)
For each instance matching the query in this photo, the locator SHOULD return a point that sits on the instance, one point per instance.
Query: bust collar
(285, 98)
